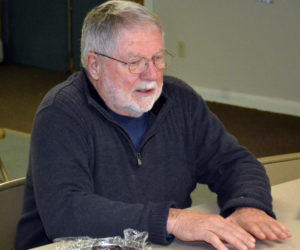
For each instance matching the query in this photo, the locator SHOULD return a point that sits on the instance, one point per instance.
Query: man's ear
(93, 65)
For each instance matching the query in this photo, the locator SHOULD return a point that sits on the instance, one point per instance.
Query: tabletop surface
(286, 202)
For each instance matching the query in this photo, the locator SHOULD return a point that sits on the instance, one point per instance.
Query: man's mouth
(146, 91)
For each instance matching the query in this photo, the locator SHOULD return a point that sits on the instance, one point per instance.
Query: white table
(286, 202)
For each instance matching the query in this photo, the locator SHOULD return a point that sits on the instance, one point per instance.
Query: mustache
(145, 85)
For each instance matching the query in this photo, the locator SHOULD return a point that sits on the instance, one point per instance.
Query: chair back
(2, 167)
(282, 168)
(2, 133)
(11, 202)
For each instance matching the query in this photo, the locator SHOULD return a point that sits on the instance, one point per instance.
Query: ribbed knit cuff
(158, 224)
(239, 202)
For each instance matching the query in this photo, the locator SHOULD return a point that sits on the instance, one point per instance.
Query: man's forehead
(140, 42)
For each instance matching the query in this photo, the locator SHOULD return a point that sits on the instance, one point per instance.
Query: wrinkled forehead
(139, 39)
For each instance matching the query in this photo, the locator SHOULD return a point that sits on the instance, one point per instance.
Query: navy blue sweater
(86, 178)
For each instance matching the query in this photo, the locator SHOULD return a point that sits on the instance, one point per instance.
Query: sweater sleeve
(62, 179)
(229, 169)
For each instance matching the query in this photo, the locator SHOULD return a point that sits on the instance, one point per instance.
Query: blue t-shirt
(135, 127)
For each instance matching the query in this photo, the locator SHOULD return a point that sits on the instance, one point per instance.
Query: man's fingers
(236, 236)
(229, 232)
(259, 224)
(270, 231)
(281, 231)
(214, 240)
(256, 231)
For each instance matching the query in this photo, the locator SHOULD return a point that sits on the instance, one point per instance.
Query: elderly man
(119, 146)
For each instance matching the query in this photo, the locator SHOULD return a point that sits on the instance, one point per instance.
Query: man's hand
(259, 224)
(194, 226)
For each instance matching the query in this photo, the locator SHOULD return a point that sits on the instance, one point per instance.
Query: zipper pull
(139, 159)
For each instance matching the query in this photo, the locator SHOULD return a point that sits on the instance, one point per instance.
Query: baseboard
(263, 103)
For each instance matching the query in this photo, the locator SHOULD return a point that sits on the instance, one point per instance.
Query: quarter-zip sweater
(86, 178)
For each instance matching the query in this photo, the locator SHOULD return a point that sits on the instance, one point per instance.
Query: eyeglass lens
(161, 61)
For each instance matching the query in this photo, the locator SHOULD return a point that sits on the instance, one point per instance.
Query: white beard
(131, 104)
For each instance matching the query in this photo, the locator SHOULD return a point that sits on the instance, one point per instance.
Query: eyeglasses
(139, 64)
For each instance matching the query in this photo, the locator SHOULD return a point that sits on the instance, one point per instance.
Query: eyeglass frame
(141, 58)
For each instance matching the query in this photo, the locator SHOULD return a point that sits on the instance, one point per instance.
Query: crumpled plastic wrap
(133, 240)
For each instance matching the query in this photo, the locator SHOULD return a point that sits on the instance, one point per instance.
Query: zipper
(145, 139)
(138, 154)
(139, 159)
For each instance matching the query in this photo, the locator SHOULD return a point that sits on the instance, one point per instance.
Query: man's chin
(141, 105)
(138, 112)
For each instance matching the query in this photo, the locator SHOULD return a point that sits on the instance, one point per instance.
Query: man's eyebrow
(132, 56)
(160, 51)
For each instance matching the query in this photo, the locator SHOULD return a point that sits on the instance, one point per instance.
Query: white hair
(103, 24)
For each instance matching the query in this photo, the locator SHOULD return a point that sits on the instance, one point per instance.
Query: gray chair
(2, 167)
(282, 168)
(11, 202)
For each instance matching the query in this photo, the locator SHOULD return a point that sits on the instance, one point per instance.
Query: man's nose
(151, 72)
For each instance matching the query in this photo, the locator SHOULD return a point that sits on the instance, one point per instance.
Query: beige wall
(242, 52)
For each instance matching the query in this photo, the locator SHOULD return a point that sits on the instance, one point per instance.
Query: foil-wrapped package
(133, 240)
